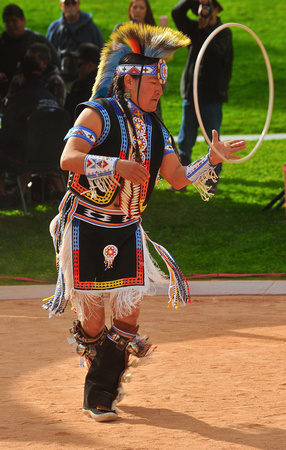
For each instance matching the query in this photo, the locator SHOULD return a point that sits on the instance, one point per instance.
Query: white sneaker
(100, 415)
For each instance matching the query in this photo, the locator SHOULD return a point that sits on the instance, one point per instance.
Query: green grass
(228, 234)
(231, 233)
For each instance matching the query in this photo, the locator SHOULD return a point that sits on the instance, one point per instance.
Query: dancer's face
(149, 93)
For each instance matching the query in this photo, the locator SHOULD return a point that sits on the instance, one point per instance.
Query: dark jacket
(55, 84)
(216, 65)
(12, 51)
(52, 81)
(80, 92)
(13, 134)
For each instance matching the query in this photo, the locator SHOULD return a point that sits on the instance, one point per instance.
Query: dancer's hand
(227, 148)
(132, 171)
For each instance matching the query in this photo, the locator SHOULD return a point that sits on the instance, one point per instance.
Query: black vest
(114, 141)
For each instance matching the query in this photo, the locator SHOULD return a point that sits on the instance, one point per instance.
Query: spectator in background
(214, 75)
(30, 96)
(87, 60)
(14, 42)
(51, 75)
(139, 11)
(75, 27)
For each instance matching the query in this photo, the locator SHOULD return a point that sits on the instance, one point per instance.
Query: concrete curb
(197, 288)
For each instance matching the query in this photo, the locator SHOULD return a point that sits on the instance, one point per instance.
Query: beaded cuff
(99, 171)
(83, 133)
(198, 173)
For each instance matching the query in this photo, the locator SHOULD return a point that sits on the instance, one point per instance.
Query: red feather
(134, 45)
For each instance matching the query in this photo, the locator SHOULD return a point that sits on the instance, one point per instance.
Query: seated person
(14, 42)
(30, 96)
(87, 60)
(51, 75)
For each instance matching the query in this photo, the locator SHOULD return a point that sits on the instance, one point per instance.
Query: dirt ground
(215, 381)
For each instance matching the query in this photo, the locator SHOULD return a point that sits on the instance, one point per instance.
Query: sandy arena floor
(216, 380)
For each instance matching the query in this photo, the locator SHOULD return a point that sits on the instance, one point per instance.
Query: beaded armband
(168, 149)
(198, 173)
(83, 133)
(99, 171)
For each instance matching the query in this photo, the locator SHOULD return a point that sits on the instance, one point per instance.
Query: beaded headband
(161, 70)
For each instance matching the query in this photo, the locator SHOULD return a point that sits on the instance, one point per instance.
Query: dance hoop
(270, 82)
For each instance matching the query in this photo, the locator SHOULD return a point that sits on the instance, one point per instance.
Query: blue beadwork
(83, 133)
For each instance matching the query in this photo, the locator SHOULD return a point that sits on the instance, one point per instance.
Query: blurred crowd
(58, 71)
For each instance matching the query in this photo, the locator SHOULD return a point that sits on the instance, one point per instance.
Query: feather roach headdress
(145, 40)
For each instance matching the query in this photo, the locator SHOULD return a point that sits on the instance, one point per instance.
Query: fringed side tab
(57, 303)
(179, 292)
